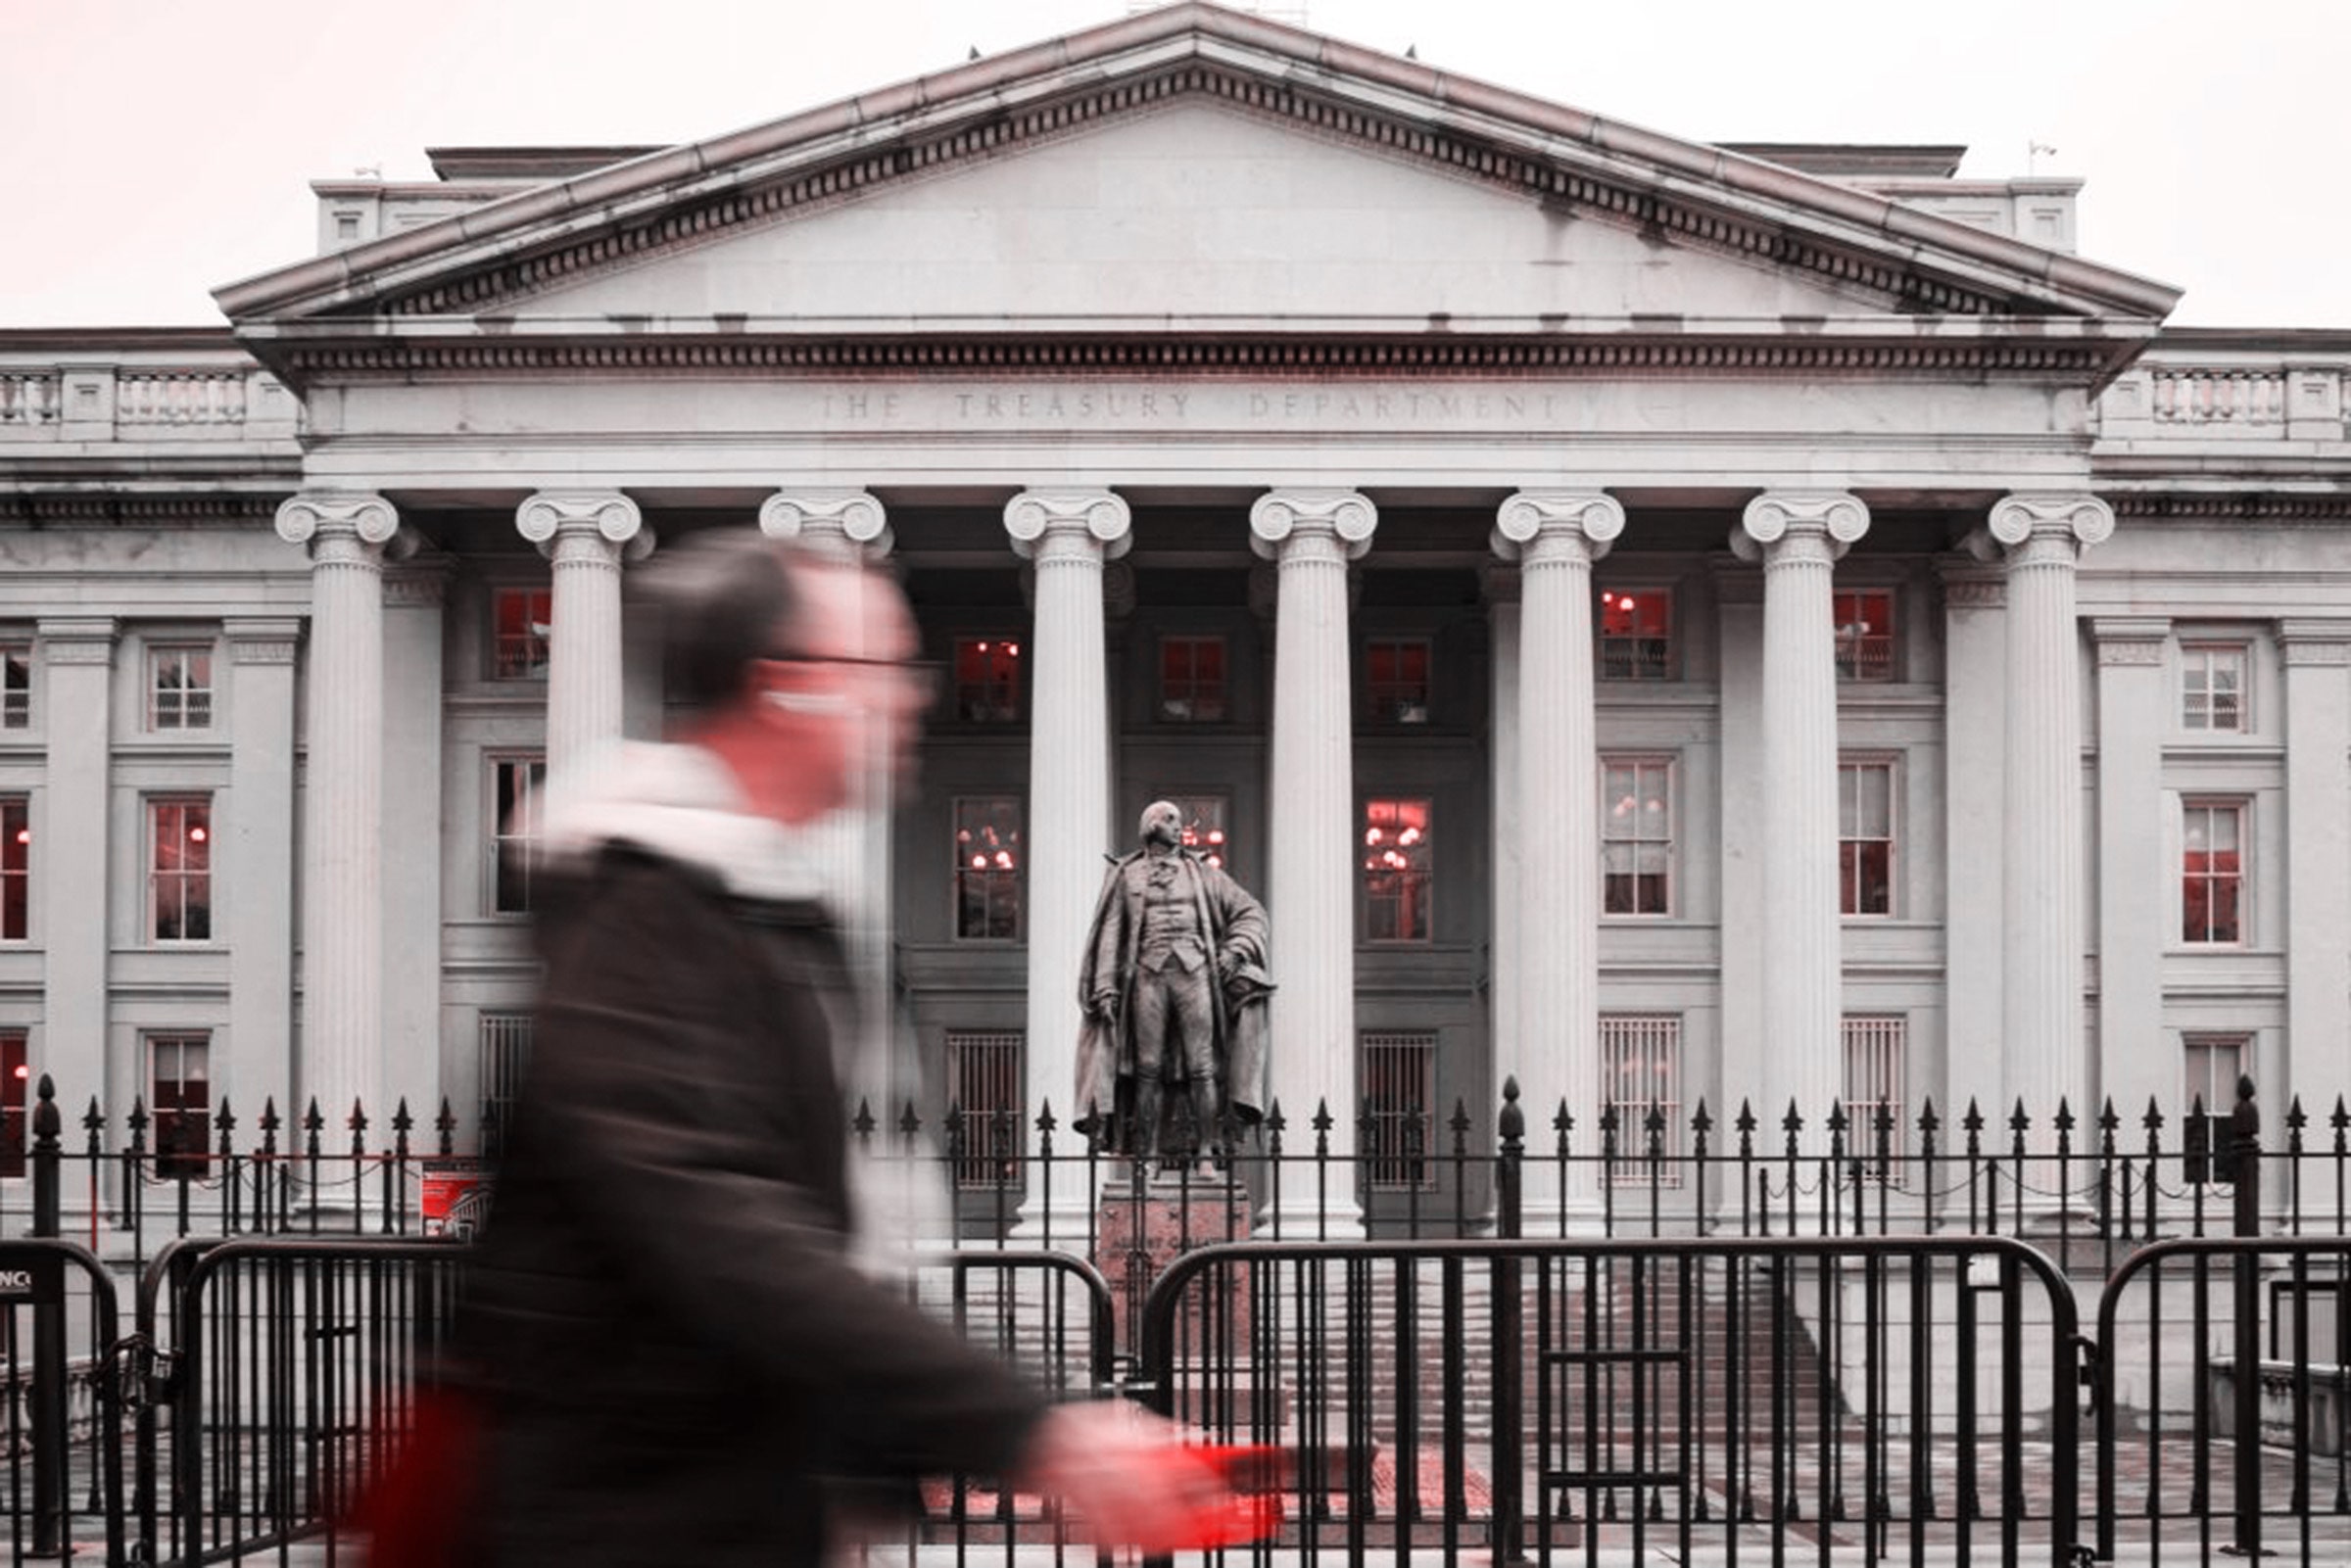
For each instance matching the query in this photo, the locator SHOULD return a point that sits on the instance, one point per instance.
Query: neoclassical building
(1662, 622)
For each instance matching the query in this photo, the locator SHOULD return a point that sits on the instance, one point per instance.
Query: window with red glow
(2212, 687)
(179, 686)
(519, 622)
(1865, 838)
(988, 857)
(1636, 836)
(179, 870)
(1864, 622)
(1636, 633)
(1398, 870)
(15, 870)
(514, 841)
(179, 1101)
(1395, 680)
(16, 685)
(988, 679)
(2212, 872)
(1191, 680)
(16, 1093)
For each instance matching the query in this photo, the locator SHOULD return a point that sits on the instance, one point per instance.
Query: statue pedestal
(1140, 1230)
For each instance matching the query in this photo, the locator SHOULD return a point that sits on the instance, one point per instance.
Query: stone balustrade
(136, 397)
(2191, 396)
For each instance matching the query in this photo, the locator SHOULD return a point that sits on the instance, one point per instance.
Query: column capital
(78, 638)
(608, 514)
(314, 515)
(1533, 523)
(1104, 517)
(2313, 640)
(844, 520)
(2130, 640)
(2080, 519)
(1278, 516)
(1832, 518)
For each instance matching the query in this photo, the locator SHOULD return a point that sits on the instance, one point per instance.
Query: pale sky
(158, 149)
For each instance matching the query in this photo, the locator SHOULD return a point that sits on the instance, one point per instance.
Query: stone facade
(1824, 639)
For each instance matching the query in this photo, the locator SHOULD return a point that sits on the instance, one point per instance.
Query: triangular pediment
(1192, 170)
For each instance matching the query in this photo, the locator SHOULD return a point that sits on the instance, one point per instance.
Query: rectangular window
(988, 857)
(1864, 622)
(2212, 879)
(15, 870)
(514, 841)
(505, 1041)
(1636, 633)
(16, 1096)
(1191, 680)
(1398, 870)
(16, 685)
(2212, 687)
(1641, 1081)
(1875, 1048)
(1865, 838)
(178, 1098)
(179, 870)
(1203, 827)
(984, 1082)
(179, 686)
(1395, 680)
(988, 679)
(1399, 1119)
(1636, 836)
(519, 622)
(2211, 1064)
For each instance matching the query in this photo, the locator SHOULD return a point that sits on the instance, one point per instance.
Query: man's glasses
(924, 675)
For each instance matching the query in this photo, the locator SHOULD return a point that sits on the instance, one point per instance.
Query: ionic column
(2041, 1056)
(1975, 662)
(1798, 539)
(1507, 939)
(2135, 885)
(1311, 535)
(852, 844)
(71, 855)
(259, 867)
(341, 1055)
(2317, 857)
(585, 535)
(1555, 537)
(1068, 536)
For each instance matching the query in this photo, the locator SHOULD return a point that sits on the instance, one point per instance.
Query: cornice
(2256, 508)
(139, 511)
(1270, 355)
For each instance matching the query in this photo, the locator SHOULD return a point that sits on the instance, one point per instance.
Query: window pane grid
(1876, 1049)
(1395, 680)
(513, 846)
(1636, 634)
(521, 617)
(1191, 680)
(988, 679)
(985, 1082)
(180, 878)
(179, 689)
(505, 1041)
(1398, 870)
(2213, 687)
(179, 1092)
(1636, 832)
(1865, 838)
(1640, 1077)
(2212, 874)
(1865, 628)
(988, 857)
(1399, 1112)
(15, 870)
(16, 685)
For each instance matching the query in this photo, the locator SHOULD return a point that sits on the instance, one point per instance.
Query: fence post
(1509, 1355)
(2245, 1166)
(48, 1334)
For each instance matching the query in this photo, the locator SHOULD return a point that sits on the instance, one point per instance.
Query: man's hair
(725, 598)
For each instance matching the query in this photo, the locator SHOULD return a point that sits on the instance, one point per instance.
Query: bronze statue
(1174, 987)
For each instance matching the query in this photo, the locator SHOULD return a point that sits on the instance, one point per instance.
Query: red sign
(456, 1197)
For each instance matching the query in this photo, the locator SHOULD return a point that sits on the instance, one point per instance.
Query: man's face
(1162, 824)
(857, 641)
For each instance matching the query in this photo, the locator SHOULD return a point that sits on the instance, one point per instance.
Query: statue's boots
(1146, 1144)
(1208, 1120)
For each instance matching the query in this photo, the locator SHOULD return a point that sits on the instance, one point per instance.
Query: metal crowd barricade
(1765, 1398)
(60, 1428)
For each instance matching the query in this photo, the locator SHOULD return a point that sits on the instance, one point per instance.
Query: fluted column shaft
(1556, 537)
(1800, 538)
(2042, 1057)
(1068, 535)
(851, 845)
(341, 1058)
(1310, 536)
(79, 653)
(2317, 857)
(584, 535)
